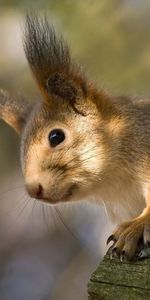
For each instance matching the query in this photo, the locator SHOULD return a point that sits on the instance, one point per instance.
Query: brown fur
(14, 110)
(106, 154)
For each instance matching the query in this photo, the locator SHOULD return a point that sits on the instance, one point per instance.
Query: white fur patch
(122, 202)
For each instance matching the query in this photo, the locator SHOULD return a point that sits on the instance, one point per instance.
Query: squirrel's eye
(56, 136)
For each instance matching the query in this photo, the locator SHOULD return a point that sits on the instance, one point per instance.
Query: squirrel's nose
(35, 190)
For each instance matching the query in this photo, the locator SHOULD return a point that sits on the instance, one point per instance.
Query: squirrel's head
(64, 141)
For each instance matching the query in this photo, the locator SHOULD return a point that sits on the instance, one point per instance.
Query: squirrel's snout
(35, 190)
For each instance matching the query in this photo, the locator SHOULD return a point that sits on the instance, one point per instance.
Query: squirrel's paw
(130, 239)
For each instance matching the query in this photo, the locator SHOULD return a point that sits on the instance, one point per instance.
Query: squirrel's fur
(106, 151)
(48, 55)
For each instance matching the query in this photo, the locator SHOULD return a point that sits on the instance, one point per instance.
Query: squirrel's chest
(122, 200)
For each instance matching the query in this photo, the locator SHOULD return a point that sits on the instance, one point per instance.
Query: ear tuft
(45, 51)
(63, 87)
(50, 61)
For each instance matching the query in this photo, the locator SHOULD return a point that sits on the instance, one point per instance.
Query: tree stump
(118, 280)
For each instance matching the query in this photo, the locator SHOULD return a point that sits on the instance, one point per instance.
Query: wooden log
(118, 280)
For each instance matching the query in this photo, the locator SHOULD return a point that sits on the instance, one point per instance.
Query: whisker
(11, 225)
(59, 214)
(60, 156)
(11, 210)
(74, 158)
(11, 189)
(26, 202)
(45, 218)
(51, 209)
(33, 209)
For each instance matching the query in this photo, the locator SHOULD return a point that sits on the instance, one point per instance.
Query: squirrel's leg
(130, 238)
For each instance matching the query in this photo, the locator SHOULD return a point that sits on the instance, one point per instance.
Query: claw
(111, 256)
(122, 256)
(110, 239)
(114, 252)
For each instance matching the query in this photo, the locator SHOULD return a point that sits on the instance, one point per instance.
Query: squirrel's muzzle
(35, 190)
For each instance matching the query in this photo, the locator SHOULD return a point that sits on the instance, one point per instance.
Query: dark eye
(56, 136)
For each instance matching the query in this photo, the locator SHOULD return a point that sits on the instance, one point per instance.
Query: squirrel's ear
(50, 61)
(66, 88)
(14, 110)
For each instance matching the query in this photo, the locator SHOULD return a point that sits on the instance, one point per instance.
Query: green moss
(120, 280)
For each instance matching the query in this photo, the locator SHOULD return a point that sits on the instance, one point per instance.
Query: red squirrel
(79, 142)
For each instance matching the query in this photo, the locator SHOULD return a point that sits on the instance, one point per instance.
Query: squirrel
(81, 143)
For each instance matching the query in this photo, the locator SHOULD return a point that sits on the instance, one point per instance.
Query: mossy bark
(125, 280)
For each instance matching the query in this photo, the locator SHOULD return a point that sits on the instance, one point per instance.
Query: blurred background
(46, 252)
